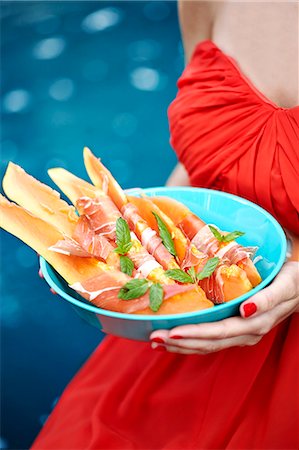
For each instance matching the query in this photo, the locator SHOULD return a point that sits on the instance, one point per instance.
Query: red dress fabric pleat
(232, 138)
(128, 396)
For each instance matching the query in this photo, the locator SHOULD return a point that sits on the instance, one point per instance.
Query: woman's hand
(259, 315)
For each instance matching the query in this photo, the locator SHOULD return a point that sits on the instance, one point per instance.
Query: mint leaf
(216, 233)
(192, 273)
(156, 296)
(123, 236)
(126, 265)
(165, 235)
(178, 275)
(232, 236)
(122, 250)
(133, 289)
(225, 237)
(208, 268)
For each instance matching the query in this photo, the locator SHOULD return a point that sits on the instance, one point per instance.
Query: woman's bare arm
(178, 177)
(196, 23)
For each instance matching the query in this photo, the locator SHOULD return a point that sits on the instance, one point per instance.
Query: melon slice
(72, 186)
(101, 176)
(40, 235)
(39, 199)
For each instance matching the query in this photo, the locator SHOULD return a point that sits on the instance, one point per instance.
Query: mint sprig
(165, 235)
(191, 276)
(126, 265)
(124, 245)
(225, 237)
(123, 237)
(138, 287)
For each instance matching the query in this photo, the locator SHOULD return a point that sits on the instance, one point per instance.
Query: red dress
(128, 396)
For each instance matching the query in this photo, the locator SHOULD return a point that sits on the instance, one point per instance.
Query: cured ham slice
(68, 246)
(226, 283)
(205, 241)
(103, 290)
(101, 214)
(194, 258)
(148, 237)
(146, 208)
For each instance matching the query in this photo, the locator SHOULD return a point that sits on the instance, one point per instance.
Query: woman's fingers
(283, 288)
(205, 346)
(228, 328)
(268, 308)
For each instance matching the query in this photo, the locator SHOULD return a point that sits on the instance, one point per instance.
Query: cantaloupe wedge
(179, 213)
(235, 282)
(181, 303)
(95, 170)
(39, 199)
(146, 207)
(40, 235)
(72, 186)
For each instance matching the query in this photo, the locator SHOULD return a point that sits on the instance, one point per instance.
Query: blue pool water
(99, 74)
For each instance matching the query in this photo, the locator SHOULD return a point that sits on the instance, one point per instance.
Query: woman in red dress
(232, 384)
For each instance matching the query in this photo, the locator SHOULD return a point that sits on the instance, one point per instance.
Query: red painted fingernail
(40, 273)
(158, 340)
(249, 309)
(160, 348)
(53, 292)
(176, 337)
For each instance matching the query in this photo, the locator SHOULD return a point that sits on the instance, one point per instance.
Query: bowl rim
(47, 268)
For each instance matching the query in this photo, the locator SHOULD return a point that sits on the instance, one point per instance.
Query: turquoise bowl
(227, 211)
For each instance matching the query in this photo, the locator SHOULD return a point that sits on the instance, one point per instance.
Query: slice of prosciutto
(101, 214)
(143, 262)
(68, 246)
(95, 244)
(234, 252)
(205, 241)
(84, 243)
(103, 290)
(194, 257)
(148, 236)
(213, 286)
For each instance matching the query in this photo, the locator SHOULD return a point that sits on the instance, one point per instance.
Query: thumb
(283, 288)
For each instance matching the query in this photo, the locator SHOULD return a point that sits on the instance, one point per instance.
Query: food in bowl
(137, 255)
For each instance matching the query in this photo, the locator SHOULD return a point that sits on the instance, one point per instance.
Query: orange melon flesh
(73, 187)
(182, 303)
(39, 199)
(40, 235)
(146, 208)
(95, 170)
(174, 209)
(235, 282)
(251, 271)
